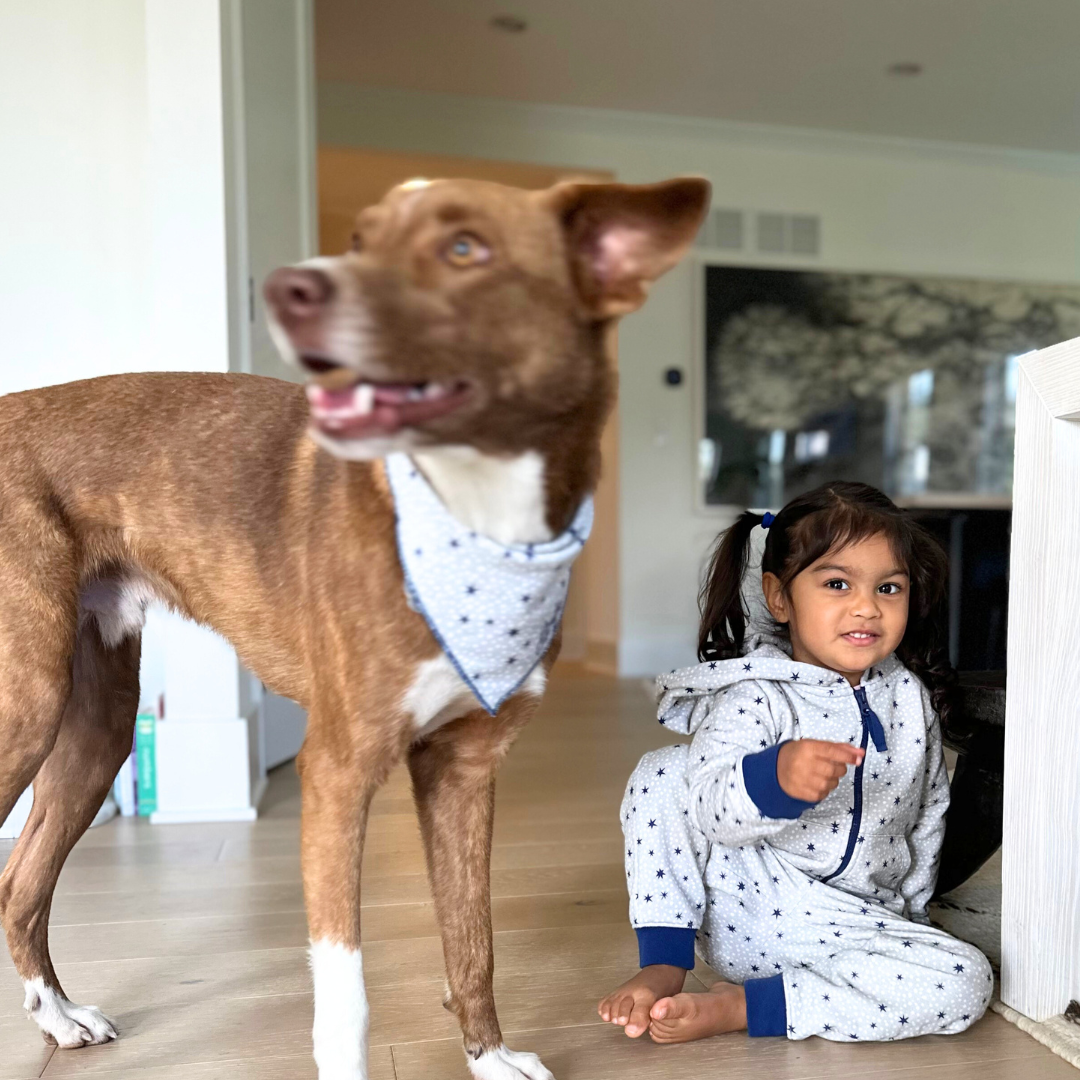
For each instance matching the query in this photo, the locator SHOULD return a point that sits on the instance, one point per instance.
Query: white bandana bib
(493, 608)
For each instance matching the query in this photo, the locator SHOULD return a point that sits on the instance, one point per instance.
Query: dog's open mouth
(371, 409)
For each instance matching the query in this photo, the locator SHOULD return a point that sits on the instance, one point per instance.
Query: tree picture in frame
(904, 382)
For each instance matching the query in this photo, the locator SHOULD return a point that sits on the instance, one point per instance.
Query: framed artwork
(905, 382)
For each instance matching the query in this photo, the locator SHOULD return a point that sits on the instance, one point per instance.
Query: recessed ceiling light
(509, 24)
(905, 68)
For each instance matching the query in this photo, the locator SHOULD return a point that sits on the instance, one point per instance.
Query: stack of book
(135, 788)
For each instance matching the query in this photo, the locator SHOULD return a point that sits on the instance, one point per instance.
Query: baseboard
(602, 656)
(260, 790)
(187, 817)
(573, 647)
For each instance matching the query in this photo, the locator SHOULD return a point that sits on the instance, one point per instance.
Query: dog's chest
(437, 694)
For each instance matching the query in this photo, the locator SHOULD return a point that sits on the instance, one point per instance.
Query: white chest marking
(500, 497)
(341, 1011)
(438, 694)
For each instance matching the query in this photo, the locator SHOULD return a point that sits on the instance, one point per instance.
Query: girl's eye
(892, 587)
(466, 250)
(837, 584)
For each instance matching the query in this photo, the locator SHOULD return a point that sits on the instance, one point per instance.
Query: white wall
(113, 200)
(886, 205)
(73, 199)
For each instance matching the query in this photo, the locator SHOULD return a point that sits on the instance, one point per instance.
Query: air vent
(805, 235)
(722, 229)
(797, 234)
(773, 234)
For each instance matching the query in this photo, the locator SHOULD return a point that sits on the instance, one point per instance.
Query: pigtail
(723, 620)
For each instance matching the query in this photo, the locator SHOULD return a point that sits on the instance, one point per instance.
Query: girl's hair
(827, 519)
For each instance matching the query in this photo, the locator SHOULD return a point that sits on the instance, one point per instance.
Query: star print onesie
(818, 909)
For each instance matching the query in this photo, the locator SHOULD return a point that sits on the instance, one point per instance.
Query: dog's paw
(504, 1064)
(62, 1022)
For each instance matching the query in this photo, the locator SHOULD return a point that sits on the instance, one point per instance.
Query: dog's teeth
(433, 391)
(364, 399)
(416, 393)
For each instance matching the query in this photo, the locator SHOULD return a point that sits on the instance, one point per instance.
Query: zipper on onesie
(871, 727)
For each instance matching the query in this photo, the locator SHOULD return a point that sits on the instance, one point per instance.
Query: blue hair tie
(767, 519)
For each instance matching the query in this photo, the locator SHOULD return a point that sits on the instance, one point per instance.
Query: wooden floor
(192, 938)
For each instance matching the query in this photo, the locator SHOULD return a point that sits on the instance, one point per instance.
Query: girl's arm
(926, 838)
(735, 796)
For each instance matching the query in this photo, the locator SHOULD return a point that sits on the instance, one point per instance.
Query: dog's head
(470, 313)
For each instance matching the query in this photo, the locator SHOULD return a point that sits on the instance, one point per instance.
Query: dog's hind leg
(453, 774)
(93, 739)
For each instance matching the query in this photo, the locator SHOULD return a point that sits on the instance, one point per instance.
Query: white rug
(973, 913)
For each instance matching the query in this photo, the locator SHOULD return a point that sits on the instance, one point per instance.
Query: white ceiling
(996, 72)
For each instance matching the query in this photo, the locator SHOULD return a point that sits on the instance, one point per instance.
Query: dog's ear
(622, 237)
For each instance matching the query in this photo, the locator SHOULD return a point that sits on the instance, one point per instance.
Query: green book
(145, 724)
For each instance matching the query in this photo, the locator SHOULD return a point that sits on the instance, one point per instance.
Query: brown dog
(466, 328)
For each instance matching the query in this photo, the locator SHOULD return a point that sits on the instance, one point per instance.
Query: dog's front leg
(453, 777)
(337, 783)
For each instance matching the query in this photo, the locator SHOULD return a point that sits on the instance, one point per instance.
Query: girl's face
(847, 611)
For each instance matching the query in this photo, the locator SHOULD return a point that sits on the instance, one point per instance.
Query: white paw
(504, 1064)
(63, 1022)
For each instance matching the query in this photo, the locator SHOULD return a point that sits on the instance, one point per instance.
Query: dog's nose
(298, 293)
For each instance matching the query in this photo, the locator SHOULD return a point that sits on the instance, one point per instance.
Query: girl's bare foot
(629, 1005)
(686, 1017)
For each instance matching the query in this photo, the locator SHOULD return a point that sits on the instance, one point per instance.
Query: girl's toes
(638, 1023)
(660, 1032)
(666, 1009)
(662, 1009)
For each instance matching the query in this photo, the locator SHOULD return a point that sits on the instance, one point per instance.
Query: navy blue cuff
(766, 1006)
(759, 775)
(666, 945)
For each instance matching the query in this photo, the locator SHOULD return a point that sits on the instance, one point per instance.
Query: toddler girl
(795, 842)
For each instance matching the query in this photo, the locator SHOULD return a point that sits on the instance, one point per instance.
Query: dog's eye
(466, 250)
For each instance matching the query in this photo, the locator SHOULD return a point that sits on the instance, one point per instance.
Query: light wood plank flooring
(192, 938)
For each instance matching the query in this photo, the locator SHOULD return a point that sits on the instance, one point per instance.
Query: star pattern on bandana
(493, 608)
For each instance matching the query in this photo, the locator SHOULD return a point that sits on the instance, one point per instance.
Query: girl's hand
(809, 769)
